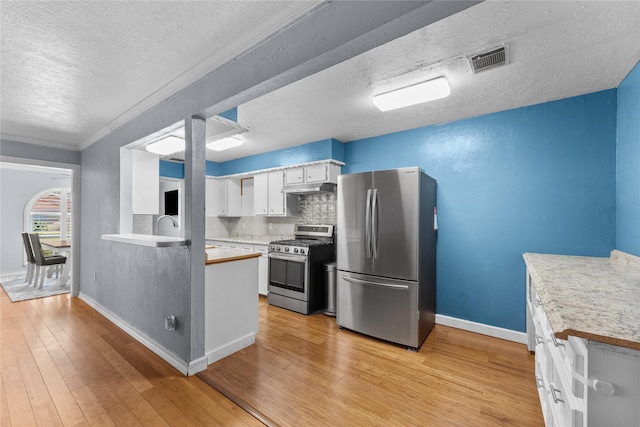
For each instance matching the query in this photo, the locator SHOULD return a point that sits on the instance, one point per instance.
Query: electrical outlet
(170, 323)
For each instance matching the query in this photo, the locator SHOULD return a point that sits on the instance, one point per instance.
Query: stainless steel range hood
(310, 188)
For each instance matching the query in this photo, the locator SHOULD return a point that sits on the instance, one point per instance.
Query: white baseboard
(197, 365)
(481, 328)
(230, 348)
(168, 356)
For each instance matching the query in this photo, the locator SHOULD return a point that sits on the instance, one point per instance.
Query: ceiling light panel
(166, 146)
(225, 143)
(412, 95)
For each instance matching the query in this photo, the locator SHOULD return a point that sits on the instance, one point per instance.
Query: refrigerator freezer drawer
(379, 307)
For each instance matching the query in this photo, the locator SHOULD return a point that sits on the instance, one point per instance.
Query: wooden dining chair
(31, 261)
(42, 262)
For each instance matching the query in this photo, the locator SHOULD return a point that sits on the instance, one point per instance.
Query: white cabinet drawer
(580, 382)
(555, 361)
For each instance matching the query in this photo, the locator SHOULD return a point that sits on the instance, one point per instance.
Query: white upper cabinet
(294, 176)
(247, 190)
(261, 194)
(211, 198)
(145, 183)
(268, 198)
(276, 198)
(319, 173)
(323, 172)
(229, 197)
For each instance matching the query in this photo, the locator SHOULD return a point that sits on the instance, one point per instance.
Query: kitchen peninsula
(582, 323)
(231, 301)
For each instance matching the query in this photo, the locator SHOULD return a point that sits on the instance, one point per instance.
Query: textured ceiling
(71, 71)
(74, 70)
(557, 49)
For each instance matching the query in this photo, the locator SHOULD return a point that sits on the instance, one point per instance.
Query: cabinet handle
(539, 382)
(554, 396)
(539, 339)
(556, 342)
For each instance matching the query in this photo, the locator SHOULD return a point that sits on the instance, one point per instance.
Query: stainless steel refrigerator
(386, 254)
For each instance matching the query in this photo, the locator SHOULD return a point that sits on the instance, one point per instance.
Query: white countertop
(147, 240)
(216, 255)
(590, 297)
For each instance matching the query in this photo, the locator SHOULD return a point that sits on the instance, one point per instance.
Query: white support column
(194, 221)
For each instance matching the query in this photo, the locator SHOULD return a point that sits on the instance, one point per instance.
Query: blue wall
(533, 179)
(628, 179)
(231, 114)
(171, 169)
(320, 150)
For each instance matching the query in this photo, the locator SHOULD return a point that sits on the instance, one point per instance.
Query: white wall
(17, 187)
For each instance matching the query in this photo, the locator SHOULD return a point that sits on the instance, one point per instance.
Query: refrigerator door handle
(382, 285)
(374, 224)
(368, 224)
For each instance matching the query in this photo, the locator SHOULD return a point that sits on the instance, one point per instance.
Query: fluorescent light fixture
(225, 143)
(412, 95)
(166, 146)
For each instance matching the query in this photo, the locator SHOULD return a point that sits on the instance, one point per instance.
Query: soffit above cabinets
(216, 128)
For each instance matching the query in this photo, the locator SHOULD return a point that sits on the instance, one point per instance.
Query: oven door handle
(288, 257)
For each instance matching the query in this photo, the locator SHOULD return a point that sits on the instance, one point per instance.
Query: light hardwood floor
(62, 363)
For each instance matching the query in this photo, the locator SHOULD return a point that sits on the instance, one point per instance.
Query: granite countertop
(589, 297)
(251, 239)
(216, 256)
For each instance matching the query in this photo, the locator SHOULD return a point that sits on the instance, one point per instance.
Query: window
(49, 214)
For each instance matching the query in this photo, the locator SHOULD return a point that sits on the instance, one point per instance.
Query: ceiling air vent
(487, 60)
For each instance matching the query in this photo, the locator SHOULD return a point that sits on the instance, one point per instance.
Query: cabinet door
(263, 269)
(261, 194)
(145, 183)
(294, 176)
(234, 197)
(316, 173)
(229, 197)
(211, 197)
(222, 197)
(276, 198)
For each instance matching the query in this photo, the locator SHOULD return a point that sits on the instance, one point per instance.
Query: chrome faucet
(173, 220)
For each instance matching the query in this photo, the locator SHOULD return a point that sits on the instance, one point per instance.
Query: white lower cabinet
(263, 269)
(581, 382)
(263, 260)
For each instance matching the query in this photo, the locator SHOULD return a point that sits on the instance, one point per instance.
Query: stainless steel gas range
(296, 269)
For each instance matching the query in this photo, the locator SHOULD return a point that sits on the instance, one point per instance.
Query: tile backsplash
(318, 208)
(314, 209)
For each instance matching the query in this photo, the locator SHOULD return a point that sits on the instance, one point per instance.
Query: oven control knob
(295, 250)
(286, 249)
(302, 251)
